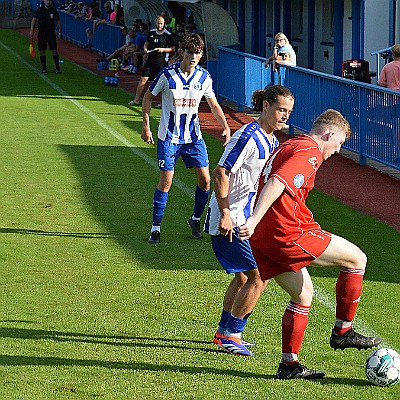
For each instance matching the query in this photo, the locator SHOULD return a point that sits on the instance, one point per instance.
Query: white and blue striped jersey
(180, 102)
(244, 156)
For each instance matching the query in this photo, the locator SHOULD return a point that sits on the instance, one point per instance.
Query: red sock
(294, 324)
(348, 292)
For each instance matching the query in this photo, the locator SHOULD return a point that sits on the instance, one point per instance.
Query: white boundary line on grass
(324, 298)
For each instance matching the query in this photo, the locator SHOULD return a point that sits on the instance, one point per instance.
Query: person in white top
(182, 86)
(235, 186)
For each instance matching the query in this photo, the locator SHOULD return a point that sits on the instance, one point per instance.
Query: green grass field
(90, 310)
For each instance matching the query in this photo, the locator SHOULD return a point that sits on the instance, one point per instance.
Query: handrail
(385, 54)
(372, 111)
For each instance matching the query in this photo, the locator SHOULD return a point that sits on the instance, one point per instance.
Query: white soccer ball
(383, 367)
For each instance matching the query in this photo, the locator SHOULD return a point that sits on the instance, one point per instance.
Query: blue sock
(223, 321)
(159, 204)
(200, 202)
(235, 324)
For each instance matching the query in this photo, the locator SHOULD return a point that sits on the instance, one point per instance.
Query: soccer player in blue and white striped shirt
(182, 86)
(235, 187)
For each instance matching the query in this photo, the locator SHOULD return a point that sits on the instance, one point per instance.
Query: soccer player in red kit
(285, 239)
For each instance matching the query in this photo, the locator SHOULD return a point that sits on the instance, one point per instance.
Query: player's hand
(246, 230)
(225, 226)
(147, 136)
(227, 135)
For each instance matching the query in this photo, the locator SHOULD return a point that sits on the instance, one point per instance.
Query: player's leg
(242, 294)
(231, 292)
(201, 194)
(195, 156)
(242, 307)
(295, 318)
(294, 323)
(352, 263)
(166, 163)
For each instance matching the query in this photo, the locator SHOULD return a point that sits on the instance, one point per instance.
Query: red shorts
(292, 257)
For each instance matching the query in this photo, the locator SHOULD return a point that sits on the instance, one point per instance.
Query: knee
(254, 279)
(164, 184)
(359, 260)
(305, 296)
(362, 260)
(204, 183)
(240, 280)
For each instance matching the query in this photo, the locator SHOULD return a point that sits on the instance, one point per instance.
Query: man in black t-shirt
(158, 45)
(46, 18)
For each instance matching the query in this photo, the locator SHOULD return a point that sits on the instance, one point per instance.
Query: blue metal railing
(373, 112)
(239, 75)
(385, 54)
(105, 40)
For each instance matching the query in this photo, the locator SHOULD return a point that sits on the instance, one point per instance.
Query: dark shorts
(152, 68)
(47, 37)
(292, 257)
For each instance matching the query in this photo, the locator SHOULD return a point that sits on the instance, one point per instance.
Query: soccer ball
(383, 367)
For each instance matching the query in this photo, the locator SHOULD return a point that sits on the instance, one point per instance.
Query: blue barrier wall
(239, 75)
(373, 112)
(105, 40)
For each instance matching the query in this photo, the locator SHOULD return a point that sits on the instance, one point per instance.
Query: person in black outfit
(159, 43)
(47, 17)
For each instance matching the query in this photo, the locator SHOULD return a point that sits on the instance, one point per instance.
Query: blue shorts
(193, 154)
(235, 256)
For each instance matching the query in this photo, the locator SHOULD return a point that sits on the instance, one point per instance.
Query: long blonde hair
(281, 35)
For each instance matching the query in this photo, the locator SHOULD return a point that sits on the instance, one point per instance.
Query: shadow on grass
(118, 184)
(111, 340)
(7, 360)
(131, 341)
(81, 235)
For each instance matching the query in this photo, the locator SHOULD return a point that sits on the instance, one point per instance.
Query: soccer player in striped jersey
(285, 238)
(182, 86)
(235, 185)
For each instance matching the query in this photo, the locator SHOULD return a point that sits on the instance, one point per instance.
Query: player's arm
(270, 192)
(147, 136)
(33, 24)
(220, 177)
(220, 116)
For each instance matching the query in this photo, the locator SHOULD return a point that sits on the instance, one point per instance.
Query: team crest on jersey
(298, 180)
(197, 86)
(313, 161)
(186, 86)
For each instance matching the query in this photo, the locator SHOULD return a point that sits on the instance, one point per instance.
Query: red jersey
(294, 163)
